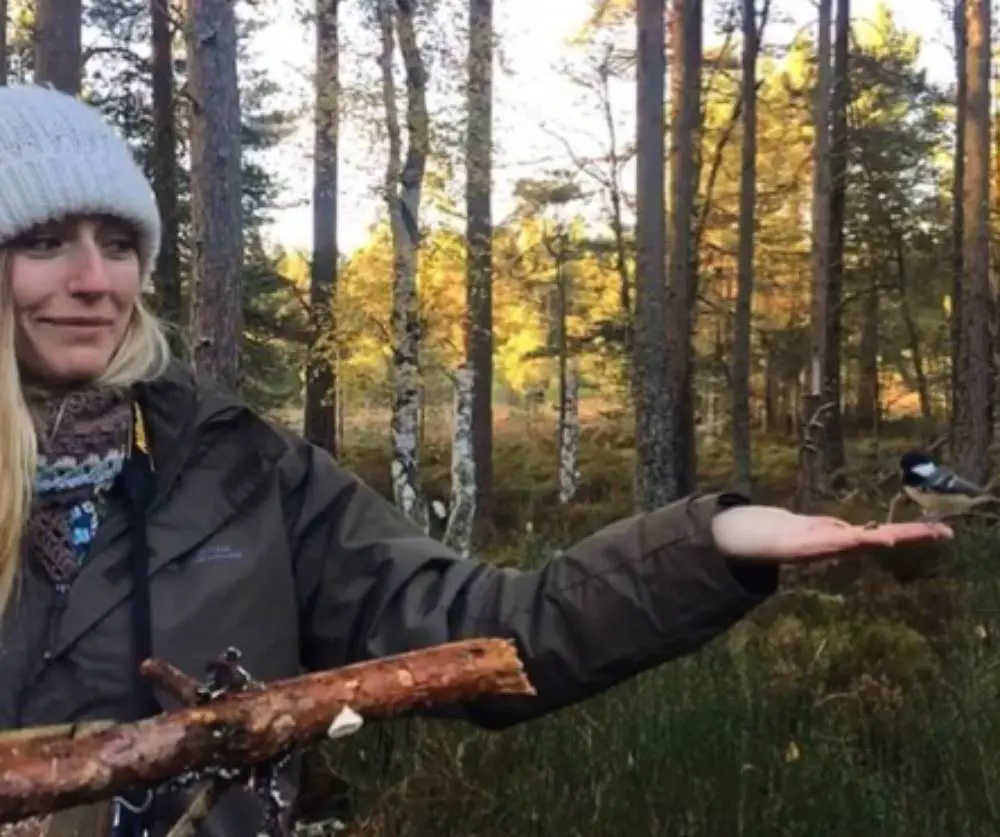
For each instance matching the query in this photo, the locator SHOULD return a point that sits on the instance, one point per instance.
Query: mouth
(77, 322)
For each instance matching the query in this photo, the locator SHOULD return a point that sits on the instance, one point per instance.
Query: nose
(89, 275)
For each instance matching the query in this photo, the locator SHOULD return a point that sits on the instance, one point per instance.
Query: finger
(916, 530)
(833, 542)
(874, 537)
(835, 522)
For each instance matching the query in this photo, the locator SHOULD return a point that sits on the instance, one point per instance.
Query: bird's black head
(910, 466)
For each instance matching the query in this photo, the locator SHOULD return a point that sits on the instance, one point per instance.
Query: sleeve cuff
(756, 579)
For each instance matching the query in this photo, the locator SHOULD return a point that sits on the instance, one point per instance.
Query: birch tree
(403, 184)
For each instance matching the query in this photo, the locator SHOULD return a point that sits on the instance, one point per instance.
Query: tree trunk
(216, 191)
(833, 440)
(568, 441)
(656, 479)
(458, 533)
(742, 346)
(321, 382)
(685, 99)
(974, 405)
(403, 184)
(57, 44)
(811, 465)
(957, 209)
(167, 275)
(4, 74)
(479, 241)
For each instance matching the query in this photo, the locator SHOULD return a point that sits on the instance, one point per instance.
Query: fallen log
(243, 729)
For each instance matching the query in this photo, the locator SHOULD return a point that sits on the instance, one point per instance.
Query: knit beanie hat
(60, 157)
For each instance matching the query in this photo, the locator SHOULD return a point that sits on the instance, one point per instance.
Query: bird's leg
(892, 506)
(931, 518)
(874, 524)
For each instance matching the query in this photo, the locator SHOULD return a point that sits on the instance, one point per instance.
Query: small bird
(938, 490)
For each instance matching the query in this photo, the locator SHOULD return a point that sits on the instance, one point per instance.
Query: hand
(768, 533)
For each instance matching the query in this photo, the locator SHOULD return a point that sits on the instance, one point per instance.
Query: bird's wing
(946, 481)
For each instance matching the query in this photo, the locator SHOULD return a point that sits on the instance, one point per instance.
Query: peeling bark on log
(239, 730)
(185, 689)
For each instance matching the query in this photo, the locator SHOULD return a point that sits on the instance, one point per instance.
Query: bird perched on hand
(938, 490)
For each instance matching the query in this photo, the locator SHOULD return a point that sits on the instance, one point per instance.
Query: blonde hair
(143, 355)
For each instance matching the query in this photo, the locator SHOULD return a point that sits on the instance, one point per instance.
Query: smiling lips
(79, 327)
(78, 322)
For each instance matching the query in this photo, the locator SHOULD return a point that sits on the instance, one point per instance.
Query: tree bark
(813, 416)
(461, 515)
(479, 241)
(167, 272)
(974, 414)
(656, 477)
(685, 120)
(321, 383)
(957, 217)
(833, 438)
(54, 773)
(216, 191)
(742, 347)
(403, 187)
(58, 44)
(4, 74)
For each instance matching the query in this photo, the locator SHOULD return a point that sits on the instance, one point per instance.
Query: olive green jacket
(261, 541)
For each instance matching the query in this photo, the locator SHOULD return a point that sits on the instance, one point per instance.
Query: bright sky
(532, 36)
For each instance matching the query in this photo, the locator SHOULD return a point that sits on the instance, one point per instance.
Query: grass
(860, 702)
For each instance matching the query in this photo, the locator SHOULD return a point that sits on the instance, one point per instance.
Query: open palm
(768, 533)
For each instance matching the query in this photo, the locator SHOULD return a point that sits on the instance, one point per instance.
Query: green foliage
(859, 700)
(120, 85)
(866, 713)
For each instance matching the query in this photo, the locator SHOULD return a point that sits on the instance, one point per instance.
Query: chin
(80, 369)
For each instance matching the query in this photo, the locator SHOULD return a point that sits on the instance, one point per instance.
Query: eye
(118, 245)
(118, 241)
(40, 243)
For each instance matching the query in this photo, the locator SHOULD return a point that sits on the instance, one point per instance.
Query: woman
(121, 473)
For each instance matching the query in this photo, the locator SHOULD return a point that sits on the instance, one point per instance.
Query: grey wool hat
(60, 157)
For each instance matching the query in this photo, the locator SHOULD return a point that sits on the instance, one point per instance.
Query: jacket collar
(177, 406)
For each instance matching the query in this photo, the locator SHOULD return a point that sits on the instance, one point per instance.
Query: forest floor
(860, 700)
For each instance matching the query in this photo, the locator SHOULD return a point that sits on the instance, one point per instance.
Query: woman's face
(74, 286)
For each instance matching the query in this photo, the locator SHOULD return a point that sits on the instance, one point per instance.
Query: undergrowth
(860, 700)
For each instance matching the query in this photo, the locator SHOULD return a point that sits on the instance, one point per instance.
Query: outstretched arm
(636, 594)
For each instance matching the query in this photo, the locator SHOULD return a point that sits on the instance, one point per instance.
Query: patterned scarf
(83, 442)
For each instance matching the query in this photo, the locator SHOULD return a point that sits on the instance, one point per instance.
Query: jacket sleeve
(640, 592)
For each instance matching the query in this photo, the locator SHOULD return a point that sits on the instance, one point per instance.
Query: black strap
(137, 477)
(138, 482)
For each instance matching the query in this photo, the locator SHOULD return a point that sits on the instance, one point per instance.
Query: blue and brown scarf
(84, 439)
